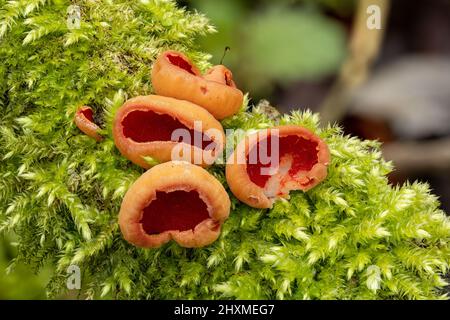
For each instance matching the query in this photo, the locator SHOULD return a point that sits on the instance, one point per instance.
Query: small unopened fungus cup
(257, 179)
(84, 120)
(165, 129)
(174, 201)
(174, 75)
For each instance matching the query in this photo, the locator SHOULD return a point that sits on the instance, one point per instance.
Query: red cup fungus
(84, 120)
(174, 201)
(302, 164)
(220, 74)
(145, 127)
(174, 75)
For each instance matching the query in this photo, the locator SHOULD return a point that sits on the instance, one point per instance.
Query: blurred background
(392, 84)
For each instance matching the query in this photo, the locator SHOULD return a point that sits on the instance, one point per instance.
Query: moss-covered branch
(353, 236)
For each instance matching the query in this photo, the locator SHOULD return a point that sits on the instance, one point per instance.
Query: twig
(363, 49)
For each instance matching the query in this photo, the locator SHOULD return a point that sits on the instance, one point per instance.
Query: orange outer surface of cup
(253, 195)
(184, 111)
(172, 176)
(85, 125)
(220, 99)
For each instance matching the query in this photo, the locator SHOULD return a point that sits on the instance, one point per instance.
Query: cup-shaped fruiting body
(174, 75)
(220, 74)
(174, 200)
(84, 120)
(266, 165)
(166, 129)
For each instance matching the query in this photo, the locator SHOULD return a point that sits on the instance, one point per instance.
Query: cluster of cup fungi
(180, 200)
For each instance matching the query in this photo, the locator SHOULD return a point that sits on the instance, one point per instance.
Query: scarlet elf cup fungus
(174, 75)
(167, 129)
(220, 74)
(174, 200)
(84, 120)
(297, 160)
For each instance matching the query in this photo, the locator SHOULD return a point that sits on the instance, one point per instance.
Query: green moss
(353, 236)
